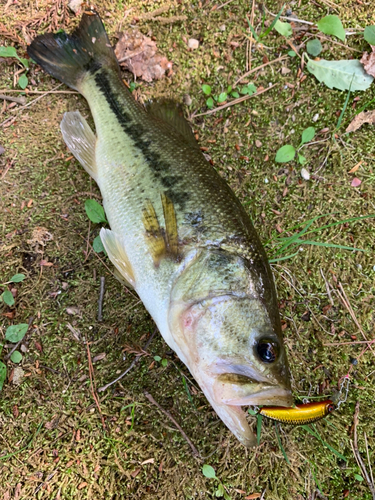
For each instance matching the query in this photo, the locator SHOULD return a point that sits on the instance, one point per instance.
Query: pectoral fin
(116, 252)
(80, 139)
(162, 242)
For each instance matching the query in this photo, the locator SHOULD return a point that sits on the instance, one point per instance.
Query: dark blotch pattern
(139, 134)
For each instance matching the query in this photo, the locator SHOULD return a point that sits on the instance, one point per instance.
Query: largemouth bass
(178, 235)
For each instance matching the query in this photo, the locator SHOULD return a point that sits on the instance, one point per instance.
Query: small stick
(18, 100)
(259, 67)
(100, 301)
(133, 363)
(353, 342)
(224, 4)
(92, 383)
(167, 414)
(357, 454)
(235, 101)
(26, 91)
(327, 287)
(31, 319)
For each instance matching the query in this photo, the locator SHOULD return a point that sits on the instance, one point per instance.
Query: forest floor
(59, 436)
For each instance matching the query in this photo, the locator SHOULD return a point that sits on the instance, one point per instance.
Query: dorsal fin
(170, 112)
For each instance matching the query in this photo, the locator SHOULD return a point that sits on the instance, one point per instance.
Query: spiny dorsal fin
(171, 113)
(161, 242)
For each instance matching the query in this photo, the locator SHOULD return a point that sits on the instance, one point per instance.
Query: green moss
(57, 393)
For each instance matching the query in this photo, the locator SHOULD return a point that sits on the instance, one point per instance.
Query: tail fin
(69, 57)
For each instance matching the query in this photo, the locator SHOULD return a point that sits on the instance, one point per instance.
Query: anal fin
(116, 253)
(80, 139)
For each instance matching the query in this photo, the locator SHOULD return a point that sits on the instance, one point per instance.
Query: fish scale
(177, 233)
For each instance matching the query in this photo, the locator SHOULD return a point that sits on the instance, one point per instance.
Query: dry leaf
(45, 263)
(148, 461)
(356, 182)
(253, 496)
(138, 54)
(360, 119)
(355, 168)
(73, 311)
(135, 473)
(368, 61)
(82, 485)
(99, 357)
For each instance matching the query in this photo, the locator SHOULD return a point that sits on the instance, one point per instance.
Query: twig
(357, 455)
(224, 4)
(38, 98)
(235, 101)
(26, 91)
(133, 363)
(251, 39)
(92, 383)
(352, 342)
(100, 301)
(167, 414)
(327, 287)
(344, 299)
(259, 67)
(18, 100)
(31, 319)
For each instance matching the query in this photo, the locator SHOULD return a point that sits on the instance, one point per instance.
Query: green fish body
(178, 235)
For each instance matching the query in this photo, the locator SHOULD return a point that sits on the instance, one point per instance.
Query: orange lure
(299, 414)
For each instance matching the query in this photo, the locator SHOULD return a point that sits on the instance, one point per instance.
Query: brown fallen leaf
(138, 54)
(360, 119)
(99, 357)
(253, 496)
(368, 61)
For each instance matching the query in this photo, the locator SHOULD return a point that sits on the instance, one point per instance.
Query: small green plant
(14, 333)
(163, 362)
(7, 296)
(11, 52)
(223, 96)
(133, 86)
(95, 212)
(288, 152)
(209, 472)
(332, 25)
(267, 30)
(219, 99)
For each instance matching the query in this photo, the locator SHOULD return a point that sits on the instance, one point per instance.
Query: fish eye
(331, 408)
(267, 350)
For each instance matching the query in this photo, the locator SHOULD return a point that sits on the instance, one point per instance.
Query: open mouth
(239, 390)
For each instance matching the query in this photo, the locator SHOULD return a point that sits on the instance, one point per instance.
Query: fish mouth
(240, 390)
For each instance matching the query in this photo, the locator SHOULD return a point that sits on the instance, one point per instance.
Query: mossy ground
(53, 444)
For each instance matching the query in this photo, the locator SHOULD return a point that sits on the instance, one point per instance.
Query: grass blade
(272, 261)
(280, 445)
(328, 245)
(252, 30)
(293, 238)
(271, 26)
(259, 427)
(315, 433)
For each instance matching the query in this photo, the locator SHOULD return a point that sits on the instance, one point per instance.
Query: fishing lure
(299, 414)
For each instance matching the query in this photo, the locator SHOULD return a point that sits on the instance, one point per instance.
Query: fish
(178, 234)
(299, 414)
